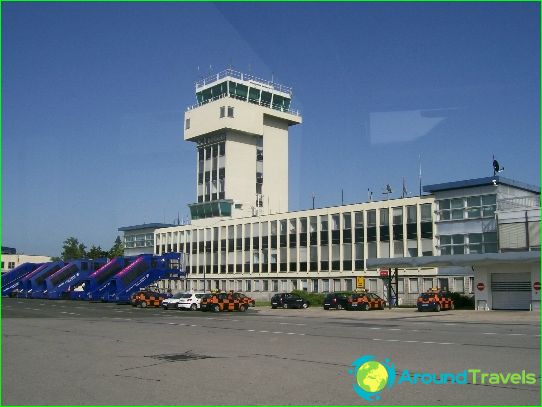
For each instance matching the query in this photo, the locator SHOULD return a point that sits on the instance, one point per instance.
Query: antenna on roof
(405, 192)
(420, 174)
(388, 191)
(496, 167)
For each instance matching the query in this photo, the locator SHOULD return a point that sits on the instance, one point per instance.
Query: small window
(222, 111)
(230, 111)
(187, 124)
(413, 283)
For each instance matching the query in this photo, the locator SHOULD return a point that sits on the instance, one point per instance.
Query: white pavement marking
(517, 334)
(193, 325)
(411, 341)
(263, 331)
(375, 328)
(251, 330)
(394, 329)
(376, 339)
(290, 333)
(489, 333)
(172, 323)
(392, 340)
(428, 342)
(278, 332)
(450, 324)
(36, 309)
(445, 343)
(65, 312)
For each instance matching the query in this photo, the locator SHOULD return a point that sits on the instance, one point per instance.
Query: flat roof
(145, 226)
(477, 182)
(461, 260)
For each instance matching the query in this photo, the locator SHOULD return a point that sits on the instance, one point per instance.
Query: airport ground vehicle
(217, 302)
(435, 300)
(365, 302)
(287, 300)
(147, 298)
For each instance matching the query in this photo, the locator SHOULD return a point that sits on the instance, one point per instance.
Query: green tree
(72, 249)
(117, 249)
(96, 252)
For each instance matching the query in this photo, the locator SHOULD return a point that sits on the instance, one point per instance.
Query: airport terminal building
(242, 236)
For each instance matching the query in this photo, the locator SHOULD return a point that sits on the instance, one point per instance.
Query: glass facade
(243, 92)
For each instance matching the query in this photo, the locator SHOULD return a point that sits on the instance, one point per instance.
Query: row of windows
(11, 265)
(140, 240)
(337, 224)
(470, 207)
(408, 285)
(211, 172)
(271, 237)
(243, 92)
(468, 243)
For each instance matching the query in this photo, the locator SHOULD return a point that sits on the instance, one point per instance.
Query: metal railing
(244, 77)
(520, 202)
(294, 112)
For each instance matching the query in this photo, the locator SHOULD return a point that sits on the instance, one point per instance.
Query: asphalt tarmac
(63, 352)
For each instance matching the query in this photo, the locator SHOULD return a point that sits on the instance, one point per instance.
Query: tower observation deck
(240, 126)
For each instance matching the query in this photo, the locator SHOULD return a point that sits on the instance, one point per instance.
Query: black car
(336, 300)
(286, 300)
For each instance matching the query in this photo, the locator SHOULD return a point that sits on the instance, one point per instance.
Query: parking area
(61, 352)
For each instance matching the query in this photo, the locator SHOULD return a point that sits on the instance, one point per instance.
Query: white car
(183, 300)
(173, 301)
(190, 300)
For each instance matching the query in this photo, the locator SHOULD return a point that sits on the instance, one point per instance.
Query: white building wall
(10, 261)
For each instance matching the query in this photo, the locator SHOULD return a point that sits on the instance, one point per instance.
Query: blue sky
(94, 95)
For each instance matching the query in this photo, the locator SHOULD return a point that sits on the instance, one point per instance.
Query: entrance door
(511, 291)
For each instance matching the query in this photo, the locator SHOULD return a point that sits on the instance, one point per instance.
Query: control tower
(240, 126)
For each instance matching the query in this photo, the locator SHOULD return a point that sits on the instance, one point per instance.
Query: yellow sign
(360, 282)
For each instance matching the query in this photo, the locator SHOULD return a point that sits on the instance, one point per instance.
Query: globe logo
(372, 377)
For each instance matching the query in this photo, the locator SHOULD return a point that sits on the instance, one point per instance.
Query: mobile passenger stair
(10, 280)
(94, 285)
(33, 284)
(144, 271)
(60, 284)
